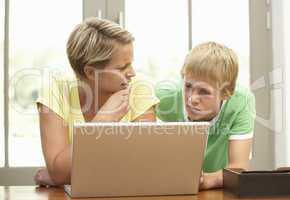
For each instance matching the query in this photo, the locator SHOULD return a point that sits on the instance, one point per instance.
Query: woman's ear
(89, 72)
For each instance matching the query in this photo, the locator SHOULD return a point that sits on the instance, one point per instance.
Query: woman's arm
(238, 153)
(55, 139)
(55, 145)
(148, 116)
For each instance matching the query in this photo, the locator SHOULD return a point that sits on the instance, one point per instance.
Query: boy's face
(202, 100)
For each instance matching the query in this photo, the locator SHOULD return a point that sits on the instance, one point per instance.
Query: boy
(209, 93)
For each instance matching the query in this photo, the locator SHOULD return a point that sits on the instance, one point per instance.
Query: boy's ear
(226, 91)
(226, 95)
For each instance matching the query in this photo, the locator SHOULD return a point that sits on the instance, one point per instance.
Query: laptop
(137, 159)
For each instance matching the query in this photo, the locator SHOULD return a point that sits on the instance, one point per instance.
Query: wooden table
(36, 193)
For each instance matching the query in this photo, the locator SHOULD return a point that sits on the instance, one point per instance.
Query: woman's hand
(42, 178)
(115, 108)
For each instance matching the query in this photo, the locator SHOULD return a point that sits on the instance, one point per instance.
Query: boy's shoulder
(242, 94)
(169, 92)
(242, 98)
(170, 87)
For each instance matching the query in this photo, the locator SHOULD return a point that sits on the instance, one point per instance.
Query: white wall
(280, 91)
(286, 7)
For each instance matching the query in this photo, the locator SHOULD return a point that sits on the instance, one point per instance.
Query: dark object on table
(257, 183)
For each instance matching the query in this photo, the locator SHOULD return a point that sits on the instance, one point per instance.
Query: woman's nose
(130, 73)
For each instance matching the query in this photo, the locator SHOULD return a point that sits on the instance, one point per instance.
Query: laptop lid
(132, 159)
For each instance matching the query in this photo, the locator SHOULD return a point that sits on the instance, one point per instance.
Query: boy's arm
(238, 154)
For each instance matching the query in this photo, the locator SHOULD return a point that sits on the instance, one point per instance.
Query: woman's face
(118, 72)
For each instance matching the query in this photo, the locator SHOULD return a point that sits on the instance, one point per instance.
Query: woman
(104, 89)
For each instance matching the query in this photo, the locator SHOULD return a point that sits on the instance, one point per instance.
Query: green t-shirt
(235, 120)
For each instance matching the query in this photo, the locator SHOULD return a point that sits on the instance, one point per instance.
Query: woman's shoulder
(142, 85)
(57, 79)
(142, 96)
(54, 92)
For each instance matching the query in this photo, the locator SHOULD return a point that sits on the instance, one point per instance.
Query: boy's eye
(204, 92)
(188, 85)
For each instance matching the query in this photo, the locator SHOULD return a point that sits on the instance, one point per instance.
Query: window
(161, 35)
(2, 11)
(161, 32)
(164, 32)
(37, 39)
(226, 22)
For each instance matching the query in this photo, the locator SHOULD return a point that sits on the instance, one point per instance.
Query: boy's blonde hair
(214, 63)
(93, 43)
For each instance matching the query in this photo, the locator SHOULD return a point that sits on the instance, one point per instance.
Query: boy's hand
(115, 107)
(210, 181)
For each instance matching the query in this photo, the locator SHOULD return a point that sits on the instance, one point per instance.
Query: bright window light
(2, 6)
(160, 29)
(225, 22)
(38, 31)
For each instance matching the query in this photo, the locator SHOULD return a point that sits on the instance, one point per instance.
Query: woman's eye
(125, 67)
(122, 68)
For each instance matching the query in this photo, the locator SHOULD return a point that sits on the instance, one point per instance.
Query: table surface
(41, 193)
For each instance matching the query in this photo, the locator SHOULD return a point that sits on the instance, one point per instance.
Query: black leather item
(257, 183)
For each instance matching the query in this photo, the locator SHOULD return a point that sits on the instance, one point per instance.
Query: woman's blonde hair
(93, 43)
(214, 63)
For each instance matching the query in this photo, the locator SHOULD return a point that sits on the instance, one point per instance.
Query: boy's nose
(194, 100)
